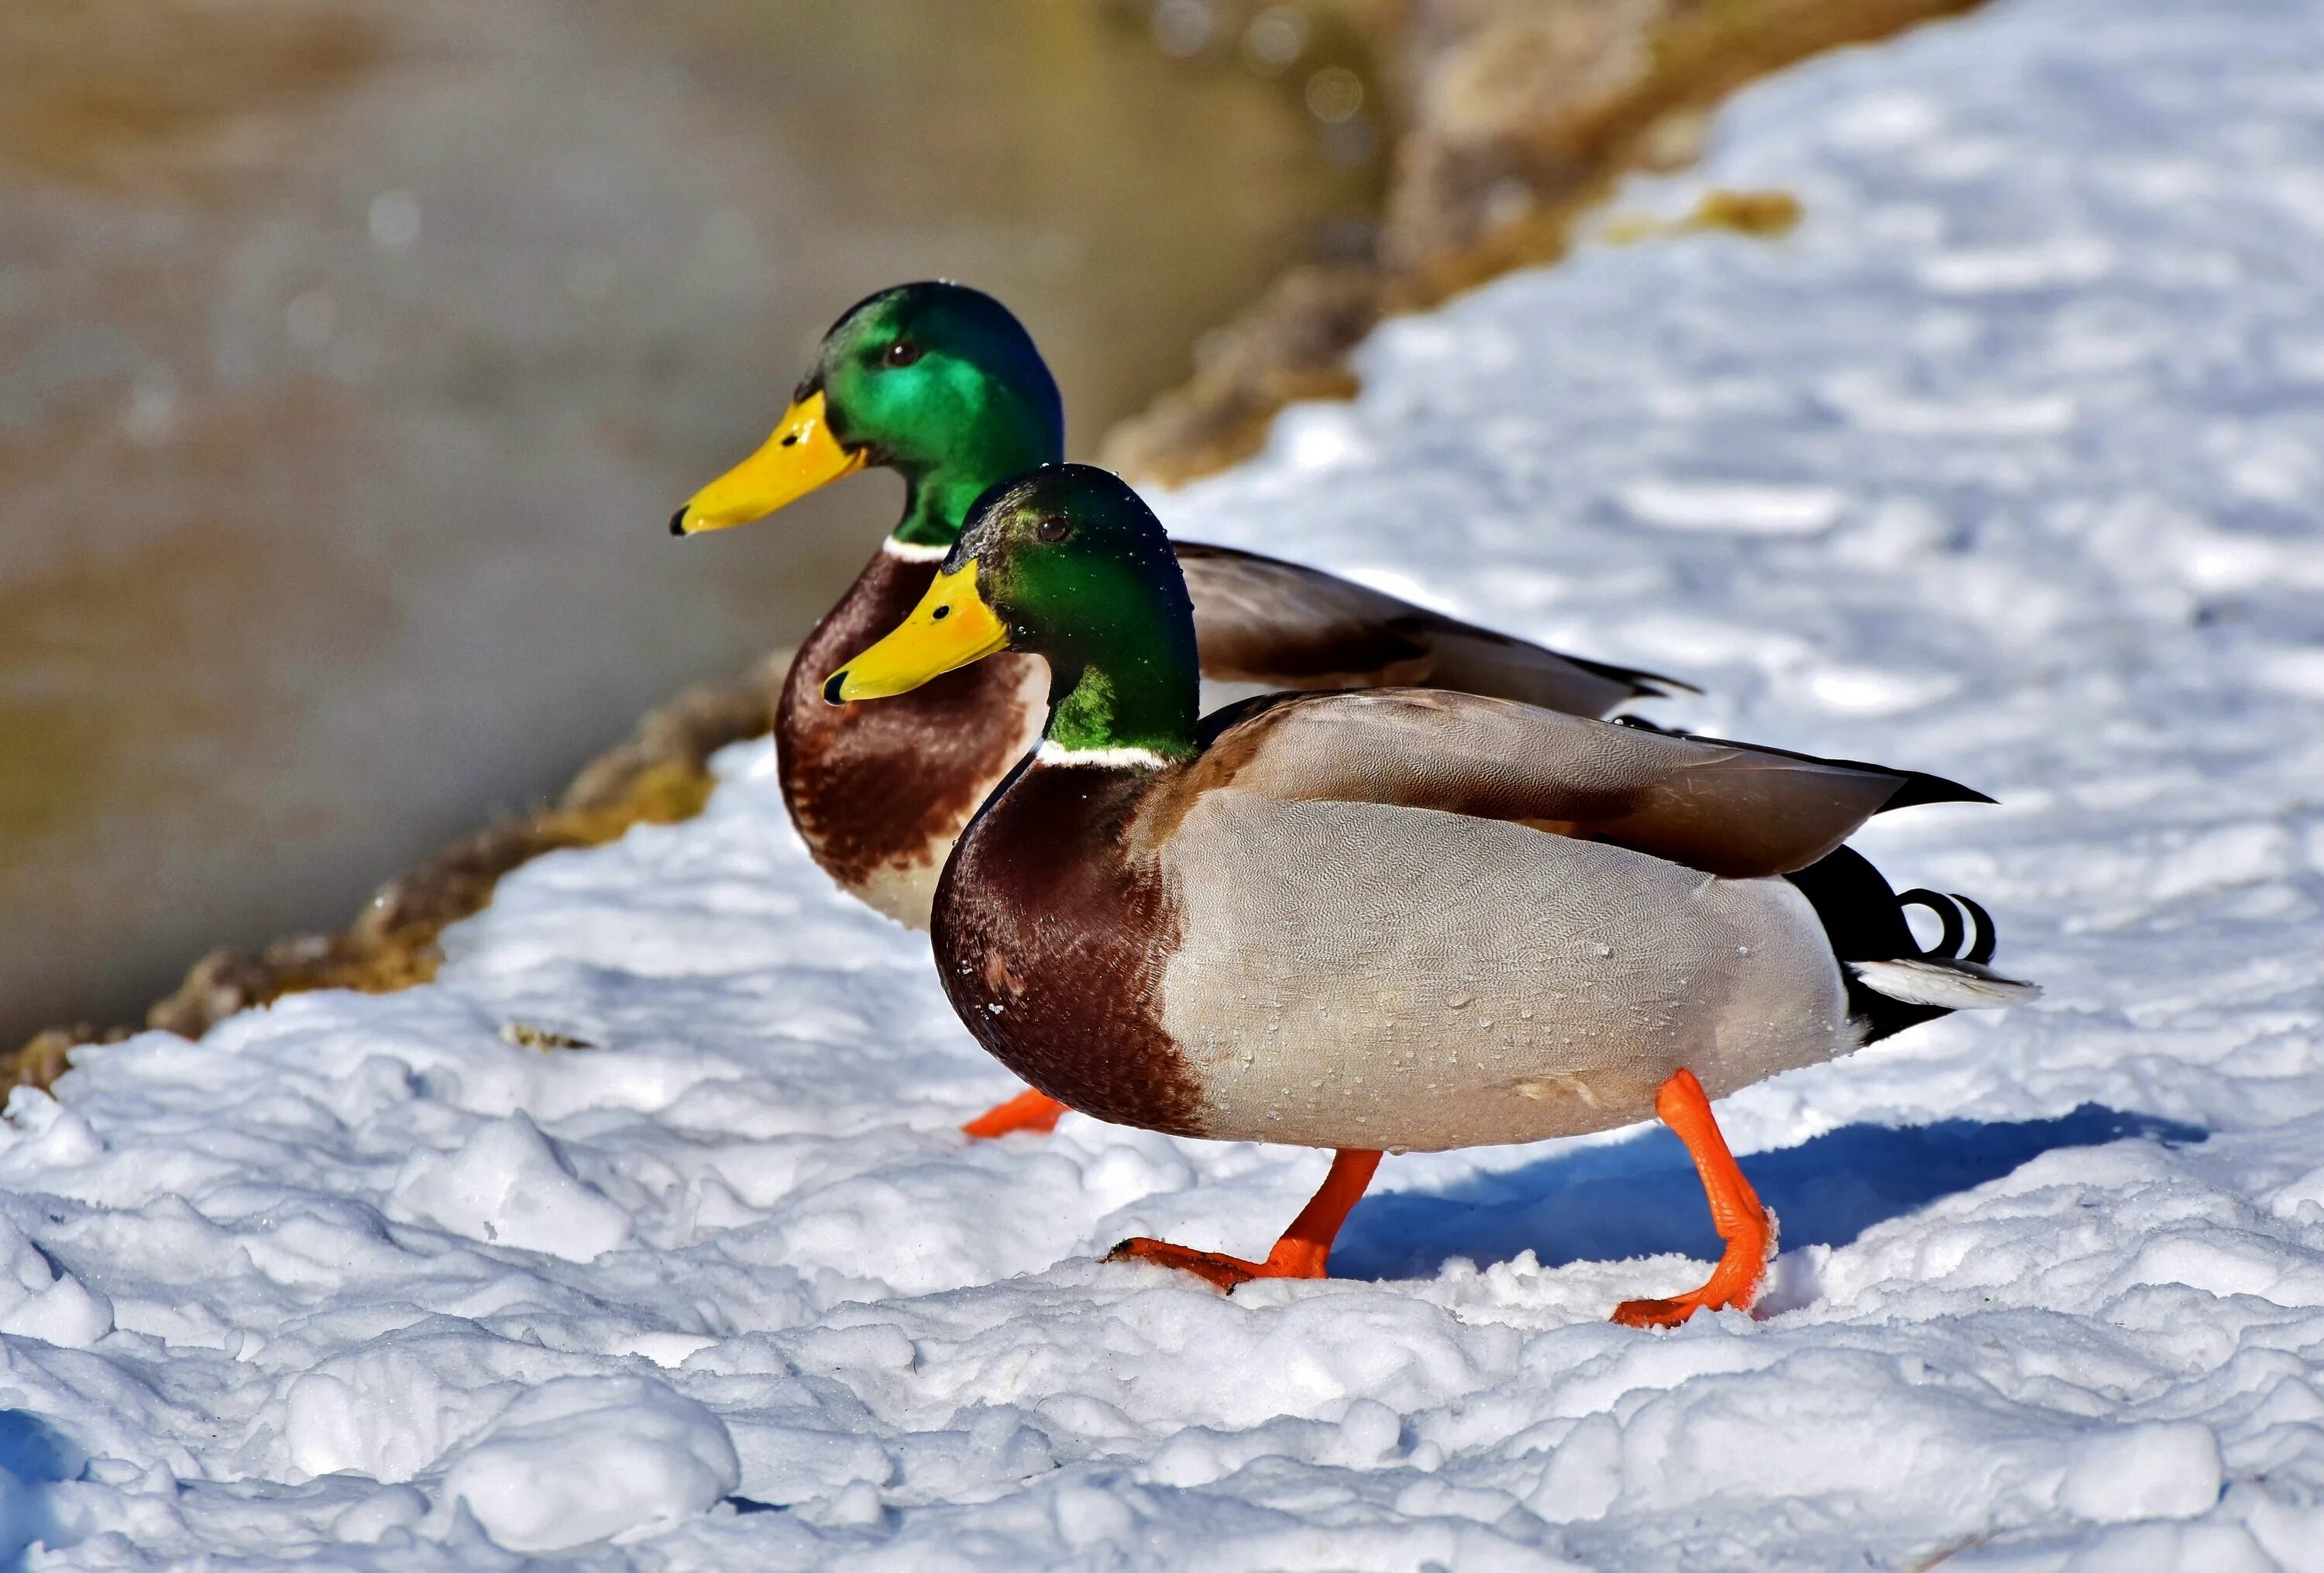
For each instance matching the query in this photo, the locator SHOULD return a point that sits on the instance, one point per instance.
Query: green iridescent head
(936, 381)
(1066, 563)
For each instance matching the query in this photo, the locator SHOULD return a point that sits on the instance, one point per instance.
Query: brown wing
(1722, 808)
(1263, 621)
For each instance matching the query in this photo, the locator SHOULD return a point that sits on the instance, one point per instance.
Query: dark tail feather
(1892, 982)
(1979, 933)
(1980, 952)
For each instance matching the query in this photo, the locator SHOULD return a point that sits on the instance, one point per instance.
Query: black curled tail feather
(1981, 951)
(1864, 920)
(1949, 909)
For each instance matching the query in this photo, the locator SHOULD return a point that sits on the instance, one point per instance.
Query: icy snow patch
(39, 1301)
(590, 1458)
(509, 1184)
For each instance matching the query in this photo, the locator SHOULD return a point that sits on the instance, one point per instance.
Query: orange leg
(1736, 1212)
(1032, 1110)
(1305, 1248)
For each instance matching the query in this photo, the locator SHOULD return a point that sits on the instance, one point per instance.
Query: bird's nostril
(940, 613)
(790, 439)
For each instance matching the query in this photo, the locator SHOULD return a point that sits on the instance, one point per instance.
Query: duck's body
(943, 384)
(1400, 918)
(1405, 920)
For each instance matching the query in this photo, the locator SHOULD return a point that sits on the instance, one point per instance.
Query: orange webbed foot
(1734, 1284)
(1305, 1251)
(1034, 1112)
(1221, 1271)
(1745, 1223)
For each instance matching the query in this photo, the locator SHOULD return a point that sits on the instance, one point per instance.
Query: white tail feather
(1948, 986)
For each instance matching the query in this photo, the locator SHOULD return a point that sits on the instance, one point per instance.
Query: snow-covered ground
(2006, 464)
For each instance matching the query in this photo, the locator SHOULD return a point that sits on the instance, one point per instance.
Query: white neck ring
(914, 551)
(1055, 753)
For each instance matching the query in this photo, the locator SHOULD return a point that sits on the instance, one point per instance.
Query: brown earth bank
(1507, 120)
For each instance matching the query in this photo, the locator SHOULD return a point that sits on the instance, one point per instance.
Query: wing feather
(1262, 621)
(1722, 808)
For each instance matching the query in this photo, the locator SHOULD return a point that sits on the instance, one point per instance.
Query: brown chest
(1052, 939)
(879, 790)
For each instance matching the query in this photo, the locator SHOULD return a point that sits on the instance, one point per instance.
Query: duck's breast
(1360, 974)
(1051, 937)
(879, 789)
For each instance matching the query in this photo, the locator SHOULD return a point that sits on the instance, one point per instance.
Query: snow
(508, 1183)
(582, 1457)
(2002, 466)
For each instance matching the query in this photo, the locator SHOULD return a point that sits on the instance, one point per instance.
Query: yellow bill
(951, 627)
(801, 456)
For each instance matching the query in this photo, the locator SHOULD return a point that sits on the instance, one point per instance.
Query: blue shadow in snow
(34, 1457)
(1640, 1197)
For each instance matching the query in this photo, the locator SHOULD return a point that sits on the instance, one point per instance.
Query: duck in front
(942, 383)
(1391, 920)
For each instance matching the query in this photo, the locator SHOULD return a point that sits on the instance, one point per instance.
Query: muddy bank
(1504, 121)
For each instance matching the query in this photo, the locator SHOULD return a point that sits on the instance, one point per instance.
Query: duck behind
(942, 383)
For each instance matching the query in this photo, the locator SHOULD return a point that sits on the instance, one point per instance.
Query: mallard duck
(1401, 919)
(943, 384)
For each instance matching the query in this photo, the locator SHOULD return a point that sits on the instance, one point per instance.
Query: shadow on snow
(1640, 1197)
(34, 1457)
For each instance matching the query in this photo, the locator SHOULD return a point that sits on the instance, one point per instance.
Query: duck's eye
(1053, 527)
(903, 352)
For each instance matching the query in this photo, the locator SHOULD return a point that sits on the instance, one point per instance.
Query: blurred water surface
(353, 353)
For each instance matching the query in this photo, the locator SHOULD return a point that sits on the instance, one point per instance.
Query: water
(353, 357)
